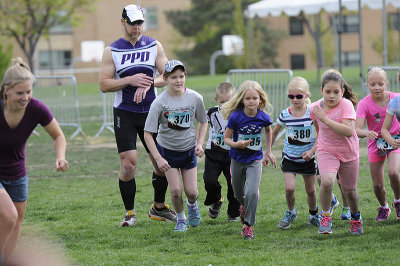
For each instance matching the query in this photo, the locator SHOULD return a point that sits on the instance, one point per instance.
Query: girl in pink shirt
(337, 148)
(373, 109)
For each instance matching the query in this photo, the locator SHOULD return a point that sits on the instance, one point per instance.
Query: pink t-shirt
(375, 115)
(346, 149)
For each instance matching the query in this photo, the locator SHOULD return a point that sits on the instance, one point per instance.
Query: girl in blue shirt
(247, 116)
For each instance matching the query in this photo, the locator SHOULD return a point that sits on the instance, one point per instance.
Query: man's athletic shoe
(346, 215)
(193, 215)
(233, 219)
(166, 214)
(325, 226)
(242, 213)
(334, 204)
(181, 226)
(315, 219)
(247, 232)
(396, 205)
(214, 209)
(129, 220)
(383, 214)
(356, 227)
(287, 219)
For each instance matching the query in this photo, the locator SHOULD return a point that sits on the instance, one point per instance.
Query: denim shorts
(17, 189)
(177, 159)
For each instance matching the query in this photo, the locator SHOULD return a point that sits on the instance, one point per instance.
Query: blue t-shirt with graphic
(246, 128)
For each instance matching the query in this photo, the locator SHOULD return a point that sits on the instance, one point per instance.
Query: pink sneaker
(383, 214)
(396, 205)
(247, 232)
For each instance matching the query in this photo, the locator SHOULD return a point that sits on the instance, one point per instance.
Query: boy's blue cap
(171, 65)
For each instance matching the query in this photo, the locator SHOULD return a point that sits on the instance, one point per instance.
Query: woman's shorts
(374, 157)
(17, 189)
(177, 159)
(348, 171)
(306, 168)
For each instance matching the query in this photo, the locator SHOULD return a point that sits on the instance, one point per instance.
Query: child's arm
(362, 133)
(346, 128)
(268, 156)
(241, 144)
(385, 131)
(201, 133)
(309, 154)
(161, 162)
(275, 133)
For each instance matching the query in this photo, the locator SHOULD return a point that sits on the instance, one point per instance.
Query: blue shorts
(177, 159)
(17, 189)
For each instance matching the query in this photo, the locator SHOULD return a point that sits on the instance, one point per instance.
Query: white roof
(294, 7)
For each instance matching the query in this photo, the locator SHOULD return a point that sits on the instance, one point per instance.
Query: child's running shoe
(287, 219)
(346, 215)
(334, 204)
(396, 205)
(325, 226)
(383, 214)
(315, 219)
(193, 215)
(128, 220)
(181, 226)
(356, 227)
(214, 209)
(247, 232)
(233, 219)
(166, 214)
(242, 213)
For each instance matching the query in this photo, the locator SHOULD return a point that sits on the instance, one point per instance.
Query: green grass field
(79, 211)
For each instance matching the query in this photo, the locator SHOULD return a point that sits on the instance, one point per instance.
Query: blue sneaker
(193, 214)
(181, 226)
(287, 220)
(315, 219)
(334, 204)
(346, 215)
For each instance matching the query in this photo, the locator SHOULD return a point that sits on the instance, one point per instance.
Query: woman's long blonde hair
(301, 84)
(236, 102)
(18, 72)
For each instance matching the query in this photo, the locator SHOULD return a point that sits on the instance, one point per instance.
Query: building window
(351, 58)
(394, 21)
(150, 15)
(296, 26)
(65, 28)
(297, 61)
(350, 23)
(60, 59)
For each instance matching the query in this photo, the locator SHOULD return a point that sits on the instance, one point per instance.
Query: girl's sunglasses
(297, 96)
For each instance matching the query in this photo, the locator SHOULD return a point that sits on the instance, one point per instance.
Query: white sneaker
(129, 220)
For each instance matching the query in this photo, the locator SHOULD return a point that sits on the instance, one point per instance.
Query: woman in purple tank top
(19, 115)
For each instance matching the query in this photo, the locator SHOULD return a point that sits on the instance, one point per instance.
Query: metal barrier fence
(273, 81)
(108, 117)
(60, 94)
(393, 80)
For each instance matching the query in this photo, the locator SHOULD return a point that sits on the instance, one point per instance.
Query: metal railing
(108, 117)
(60, 94)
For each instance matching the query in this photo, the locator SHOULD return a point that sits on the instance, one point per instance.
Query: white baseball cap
(171, 65)
(132, 13)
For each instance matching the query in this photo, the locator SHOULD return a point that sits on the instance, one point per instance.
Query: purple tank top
(130, 60)
(12, 141)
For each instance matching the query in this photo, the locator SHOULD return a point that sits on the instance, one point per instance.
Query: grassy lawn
(79, 211)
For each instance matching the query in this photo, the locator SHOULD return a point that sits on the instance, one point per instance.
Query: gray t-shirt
(173, 119)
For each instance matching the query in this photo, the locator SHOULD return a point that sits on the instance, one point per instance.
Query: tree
(26, 21)
(202, 27)
(5, 59)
